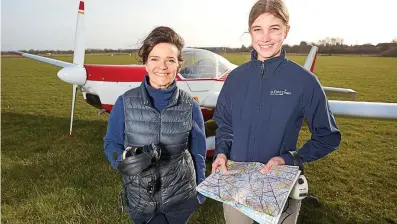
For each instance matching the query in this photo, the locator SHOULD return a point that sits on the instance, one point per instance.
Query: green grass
(47, 178)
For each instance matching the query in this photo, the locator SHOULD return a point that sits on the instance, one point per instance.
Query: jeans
(179, 214)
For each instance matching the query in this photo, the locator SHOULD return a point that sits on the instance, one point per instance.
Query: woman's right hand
(220, 161)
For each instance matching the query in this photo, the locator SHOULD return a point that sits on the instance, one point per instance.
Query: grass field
(47, 178)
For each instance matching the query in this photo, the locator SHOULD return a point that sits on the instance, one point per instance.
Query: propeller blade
(72, 112)
(79, 39)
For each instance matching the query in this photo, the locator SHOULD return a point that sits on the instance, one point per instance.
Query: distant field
(47, 178)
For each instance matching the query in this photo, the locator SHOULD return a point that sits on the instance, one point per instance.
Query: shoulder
(239, 73)
(239, 70)
(306, 77)
(185, 97)
(132, 92)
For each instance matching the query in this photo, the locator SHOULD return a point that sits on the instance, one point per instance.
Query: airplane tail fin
(311, 59)
(330, 91)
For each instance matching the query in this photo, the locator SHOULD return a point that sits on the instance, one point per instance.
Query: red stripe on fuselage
(115, 73)
(81, 5)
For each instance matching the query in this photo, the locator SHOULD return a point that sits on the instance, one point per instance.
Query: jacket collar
(146, 98)
(271, 64)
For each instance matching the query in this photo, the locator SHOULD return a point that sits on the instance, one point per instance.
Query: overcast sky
(50, 24)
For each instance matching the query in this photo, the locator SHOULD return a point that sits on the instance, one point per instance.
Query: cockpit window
(203, 64)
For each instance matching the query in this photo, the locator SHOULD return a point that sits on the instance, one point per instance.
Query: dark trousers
(179, 214)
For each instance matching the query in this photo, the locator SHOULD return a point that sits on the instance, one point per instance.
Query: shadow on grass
(48, 178)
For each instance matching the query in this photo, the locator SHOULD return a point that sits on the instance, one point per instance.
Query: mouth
(161, 74)
(266, 46)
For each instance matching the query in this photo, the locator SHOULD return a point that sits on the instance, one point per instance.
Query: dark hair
(161, 34)
(275, 7)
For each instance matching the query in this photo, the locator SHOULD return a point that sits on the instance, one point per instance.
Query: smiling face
(267, 35)
(162, 65)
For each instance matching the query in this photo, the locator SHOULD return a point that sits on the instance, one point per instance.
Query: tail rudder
(311, 59)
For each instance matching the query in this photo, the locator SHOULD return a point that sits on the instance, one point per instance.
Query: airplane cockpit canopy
(204, 64)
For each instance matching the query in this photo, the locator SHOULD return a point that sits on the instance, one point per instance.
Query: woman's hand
(220, 161)
(272, 162)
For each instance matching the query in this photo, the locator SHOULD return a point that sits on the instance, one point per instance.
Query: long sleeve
(223, 119)
(197, 145)
(325, 136)
(114, 139)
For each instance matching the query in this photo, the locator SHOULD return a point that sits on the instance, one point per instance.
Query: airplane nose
(73, 75)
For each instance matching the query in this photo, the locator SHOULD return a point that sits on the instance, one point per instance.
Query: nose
(163, 65)
(266, 36)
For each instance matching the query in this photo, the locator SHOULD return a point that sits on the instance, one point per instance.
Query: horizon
(50, 25)
(202, 47)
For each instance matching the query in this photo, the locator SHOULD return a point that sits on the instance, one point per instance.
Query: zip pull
(263, 69)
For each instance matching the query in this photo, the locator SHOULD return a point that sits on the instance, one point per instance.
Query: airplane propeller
(78, 75)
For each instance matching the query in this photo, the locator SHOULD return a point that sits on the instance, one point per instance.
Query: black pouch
(134, 165)
(139, 159)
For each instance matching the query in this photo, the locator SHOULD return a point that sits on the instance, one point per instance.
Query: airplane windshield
(203, 64)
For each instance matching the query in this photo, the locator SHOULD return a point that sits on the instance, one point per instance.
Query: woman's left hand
(272, 162)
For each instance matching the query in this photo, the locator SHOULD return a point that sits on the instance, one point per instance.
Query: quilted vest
(175, 176)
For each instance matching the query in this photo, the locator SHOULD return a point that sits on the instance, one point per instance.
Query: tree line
(327, 46)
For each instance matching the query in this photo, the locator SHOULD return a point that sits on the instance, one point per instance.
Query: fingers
(219, 162)
(266, 168)
(214, 166)
(275, 161)
(223, 166)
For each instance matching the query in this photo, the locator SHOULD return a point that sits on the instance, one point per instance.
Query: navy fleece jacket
(260, 111)
(114, 139)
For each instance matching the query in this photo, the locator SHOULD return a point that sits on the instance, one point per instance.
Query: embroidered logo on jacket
(279, 92)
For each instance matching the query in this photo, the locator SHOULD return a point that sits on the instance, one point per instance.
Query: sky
(50, 24)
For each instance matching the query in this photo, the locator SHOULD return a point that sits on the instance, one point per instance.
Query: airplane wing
(375, 110)
(333, 91)
(364, 109)
(51, 61)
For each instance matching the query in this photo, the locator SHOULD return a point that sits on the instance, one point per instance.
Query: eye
(275, 28)
(153, 59)
(257, 29)
(172, 60)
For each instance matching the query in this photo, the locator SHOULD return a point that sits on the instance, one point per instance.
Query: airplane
(202, 75)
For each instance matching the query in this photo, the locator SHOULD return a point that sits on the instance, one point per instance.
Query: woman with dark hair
(160, 131)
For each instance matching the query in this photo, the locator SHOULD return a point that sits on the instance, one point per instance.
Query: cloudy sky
(50, 24)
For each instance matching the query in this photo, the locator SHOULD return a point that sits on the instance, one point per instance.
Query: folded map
(260, 196)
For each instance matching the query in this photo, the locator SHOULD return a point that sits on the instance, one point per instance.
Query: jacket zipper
(158, 170)
(258, 107)
(158, 205)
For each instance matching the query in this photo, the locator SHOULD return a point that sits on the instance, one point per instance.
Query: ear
(146, 68)
(287, 31)
(180, 65)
